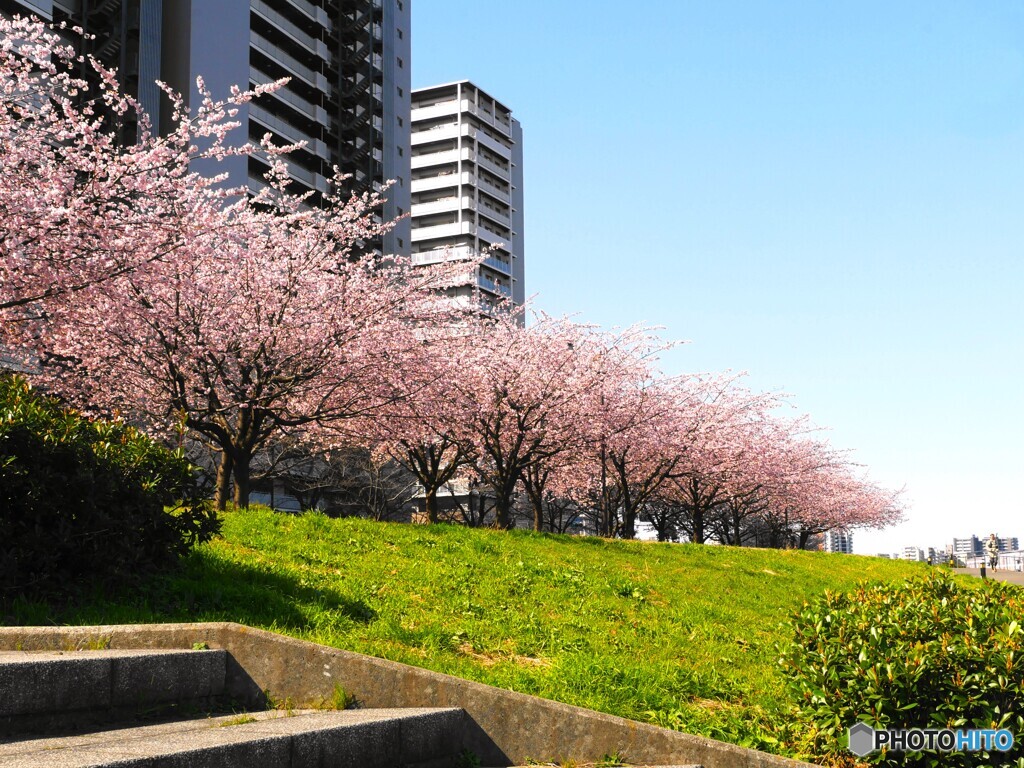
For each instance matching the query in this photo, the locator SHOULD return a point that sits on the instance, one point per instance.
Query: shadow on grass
(201, 588)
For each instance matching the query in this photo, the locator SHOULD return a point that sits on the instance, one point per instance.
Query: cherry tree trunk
(502, 512)
(629, 524)
(242, 480)
(698, 537)
(224, 469)
(430, 504)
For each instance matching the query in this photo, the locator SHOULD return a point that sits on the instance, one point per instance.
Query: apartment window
(400, 33)
(400, 210)
(400, 91)
(401, 152)
(401, 122)
(400, 6)
(401, 181)
(401, 63)
(401, 242)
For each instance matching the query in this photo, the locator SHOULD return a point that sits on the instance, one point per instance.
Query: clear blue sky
(827, 195)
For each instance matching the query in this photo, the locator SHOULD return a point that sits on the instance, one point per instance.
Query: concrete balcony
(494, 214)
(493, 191)
(442, 158)
(443, 181)
(289, 97)
(440, 133)
(491, 237)
(442, 255)
(461, 253)
(492, 144)
(500, 123)
(319, 15)
(446, 205)
(434, 111)
(294, 67)
(442, 230)
(300, 37)
(287, 131)
(298, 174)
(493, 167)
(493, 286)
(499, 265)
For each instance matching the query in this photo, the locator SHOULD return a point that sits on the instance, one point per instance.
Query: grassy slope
(680, 635)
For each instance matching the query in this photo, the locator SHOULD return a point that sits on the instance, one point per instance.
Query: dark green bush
(83, 501)
(928, 653)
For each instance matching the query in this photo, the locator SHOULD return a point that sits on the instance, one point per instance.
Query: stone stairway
(167, 708)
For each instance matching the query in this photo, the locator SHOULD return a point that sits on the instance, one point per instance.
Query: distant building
(913, 553)
(467, 187)
(965, 548)
(837, 541)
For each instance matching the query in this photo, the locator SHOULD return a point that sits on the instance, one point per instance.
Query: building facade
(348, 97)
(837, 541)
(913, 553)
(968, 547)
(467, 187)
(125, 35)
(964, 549)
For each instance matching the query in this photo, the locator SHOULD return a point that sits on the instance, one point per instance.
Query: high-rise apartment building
(122, 34)
(348, 97)
(467, 186)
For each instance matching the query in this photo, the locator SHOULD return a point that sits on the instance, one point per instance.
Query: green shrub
(927, 653)
(85, 501)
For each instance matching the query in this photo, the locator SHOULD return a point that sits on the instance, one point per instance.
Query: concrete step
(42, 691)
(382, 738)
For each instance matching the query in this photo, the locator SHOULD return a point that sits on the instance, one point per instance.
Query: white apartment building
(837, 541)
(913, 553)
(467, 187)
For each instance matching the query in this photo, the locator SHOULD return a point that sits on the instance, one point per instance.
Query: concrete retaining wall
(506, 728)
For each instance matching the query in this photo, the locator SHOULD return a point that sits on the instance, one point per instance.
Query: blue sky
(829, 196)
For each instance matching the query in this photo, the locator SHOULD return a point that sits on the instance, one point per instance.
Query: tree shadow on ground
(201, 588)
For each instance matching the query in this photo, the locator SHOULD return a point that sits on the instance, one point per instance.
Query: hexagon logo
(862, 739)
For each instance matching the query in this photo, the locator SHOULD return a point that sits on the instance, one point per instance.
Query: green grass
(680, 635)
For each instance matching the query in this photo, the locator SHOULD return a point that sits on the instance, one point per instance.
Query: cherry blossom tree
(528, 392)
(426, 429)
(78, 208)
(825, 491)
(266, 324)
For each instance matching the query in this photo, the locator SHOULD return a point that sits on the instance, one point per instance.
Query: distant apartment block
(467, 187)
(837, 541)
(913, 553)
(348, 98)
(969, 547)
(975, 546)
